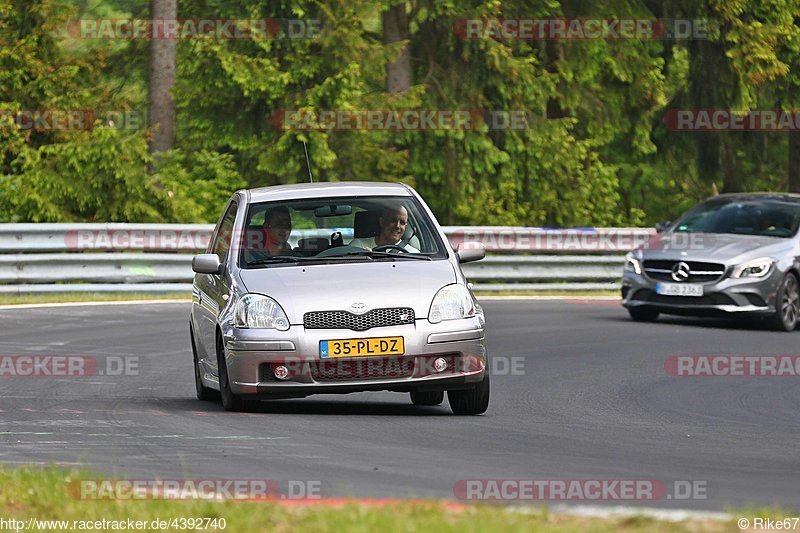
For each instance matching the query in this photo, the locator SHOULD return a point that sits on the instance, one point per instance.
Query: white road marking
(95, 304)
(45, 463)
(667, 515)
(133, 436)
(163, 301)
(548, 298)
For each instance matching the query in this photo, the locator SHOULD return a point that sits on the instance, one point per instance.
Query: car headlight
(451, 302)
(757, 268)
(259, 311)
(632, 263)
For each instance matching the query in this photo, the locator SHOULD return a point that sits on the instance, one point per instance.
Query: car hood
(402, 283)
(723, 248)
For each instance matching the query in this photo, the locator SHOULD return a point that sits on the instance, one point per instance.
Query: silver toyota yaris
(336, 288)
(732, 254)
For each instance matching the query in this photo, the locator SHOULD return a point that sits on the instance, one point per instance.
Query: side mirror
(206, 264)
(470, 251)
(661, 226)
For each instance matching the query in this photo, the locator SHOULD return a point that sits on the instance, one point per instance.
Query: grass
(43, 493)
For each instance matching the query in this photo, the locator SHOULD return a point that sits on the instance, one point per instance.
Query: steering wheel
(389, 248)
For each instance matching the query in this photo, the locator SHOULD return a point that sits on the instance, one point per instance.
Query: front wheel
(204, 393)
(787, 304)
(472, 401)
(643, 314)
(427, 398)
(230, 401)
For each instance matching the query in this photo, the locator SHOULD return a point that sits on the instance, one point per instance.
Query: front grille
(367, 368)
(699, 271)
(374, 318)
(646, 295)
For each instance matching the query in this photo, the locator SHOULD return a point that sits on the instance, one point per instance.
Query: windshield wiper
(276, 259)
(370, 253)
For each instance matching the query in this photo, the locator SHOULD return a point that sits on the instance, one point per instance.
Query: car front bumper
(722, 297)
(253, 355)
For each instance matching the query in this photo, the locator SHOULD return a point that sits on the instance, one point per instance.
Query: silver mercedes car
(731, 254)
(336, 288)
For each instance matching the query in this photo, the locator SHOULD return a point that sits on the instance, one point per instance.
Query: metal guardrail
(96, 268)
(104, 237)
(36, 258)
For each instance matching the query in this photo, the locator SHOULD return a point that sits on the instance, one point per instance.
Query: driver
(277, 228)
(392, 223)
(771, 222)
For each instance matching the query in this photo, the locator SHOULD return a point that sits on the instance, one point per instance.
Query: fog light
(281, 372)
(439, 364)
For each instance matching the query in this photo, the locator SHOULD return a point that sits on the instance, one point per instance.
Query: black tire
(427, 398)
(787, 304)
(472, 401)
(204, 393)
(643, 314)
(230, 401)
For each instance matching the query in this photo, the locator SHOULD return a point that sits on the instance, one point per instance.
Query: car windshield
(762, 217)
(340, 229)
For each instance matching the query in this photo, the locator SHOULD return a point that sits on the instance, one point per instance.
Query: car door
(213, 289)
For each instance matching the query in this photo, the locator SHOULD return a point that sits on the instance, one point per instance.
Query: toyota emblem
(681, 271)
(358, 308)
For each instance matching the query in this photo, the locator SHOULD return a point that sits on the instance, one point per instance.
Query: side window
(222, 241)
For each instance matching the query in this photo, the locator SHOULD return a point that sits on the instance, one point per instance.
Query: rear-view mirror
(332, 211)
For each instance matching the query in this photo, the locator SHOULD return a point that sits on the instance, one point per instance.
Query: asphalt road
(590, 400)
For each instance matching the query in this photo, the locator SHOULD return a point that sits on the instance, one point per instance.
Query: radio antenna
(308, 163)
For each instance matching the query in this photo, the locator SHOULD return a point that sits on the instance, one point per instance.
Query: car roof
(782, 196)
(299, 191)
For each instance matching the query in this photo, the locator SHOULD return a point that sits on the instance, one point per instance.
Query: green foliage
(96, 175)
(595, 150)
(197, 184)
(98, 178)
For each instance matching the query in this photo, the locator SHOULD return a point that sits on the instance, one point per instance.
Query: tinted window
(771, 218)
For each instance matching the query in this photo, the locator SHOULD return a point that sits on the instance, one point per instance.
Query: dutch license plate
(361, 347)
(679, 289)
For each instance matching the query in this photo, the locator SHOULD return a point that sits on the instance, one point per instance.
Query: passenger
(392, 226)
